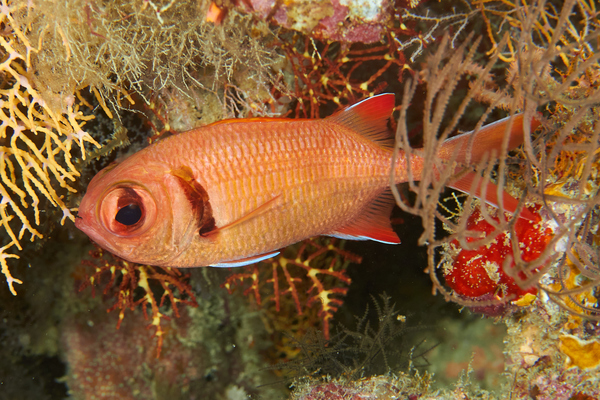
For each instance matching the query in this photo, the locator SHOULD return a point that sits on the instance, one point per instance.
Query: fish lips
(85, 222)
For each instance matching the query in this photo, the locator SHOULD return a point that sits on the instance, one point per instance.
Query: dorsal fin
(373, 224)
(369, 118)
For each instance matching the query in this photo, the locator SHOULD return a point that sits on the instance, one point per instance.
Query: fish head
(128, 210)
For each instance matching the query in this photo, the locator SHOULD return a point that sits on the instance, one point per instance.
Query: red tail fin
(491, 196)
(487, 138)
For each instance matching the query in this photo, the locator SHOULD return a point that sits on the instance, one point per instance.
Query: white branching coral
(38, 145)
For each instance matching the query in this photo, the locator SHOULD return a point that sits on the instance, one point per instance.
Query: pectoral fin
(252, 214)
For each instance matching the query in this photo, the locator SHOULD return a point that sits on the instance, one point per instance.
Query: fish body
(234, 192)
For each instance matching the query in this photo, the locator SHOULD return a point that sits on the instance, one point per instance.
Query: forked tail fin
(468, 149)
(509, 203)
(488, 138)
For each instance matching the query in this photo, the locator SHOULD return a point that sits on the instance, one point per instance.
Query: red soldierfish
(234, 192)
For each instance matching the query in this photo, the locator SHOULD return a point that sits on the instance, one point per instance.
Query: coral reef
(40, 143)
(367, 349)
(354, 362)
(554, 172)
(210, 351)
(584, 354)
(379, 387)
(105, 363)
(538, 361)
(312, 273)
(149, 47)
(331, 20)
(134, 289)
(479, 273)
(71, 84)
(533, 174)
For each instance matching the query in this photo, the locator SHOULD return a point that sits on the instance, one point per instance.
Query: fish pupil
(129, 215)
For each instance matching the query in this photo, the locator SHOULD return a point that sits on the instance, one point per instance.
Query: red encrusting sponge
(479, 273)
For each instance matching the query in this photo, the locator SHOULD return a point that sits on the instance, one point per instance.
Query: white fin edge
(245, 261)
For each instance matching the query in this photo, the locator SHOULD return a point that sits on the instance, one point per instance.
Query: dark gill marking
(198, 198)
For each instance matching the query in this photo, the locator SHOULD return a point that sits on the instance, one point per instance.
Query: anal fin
(373, 224)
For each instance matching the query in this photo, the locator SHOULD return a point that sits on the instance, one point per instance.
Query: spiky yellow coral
(38, 144)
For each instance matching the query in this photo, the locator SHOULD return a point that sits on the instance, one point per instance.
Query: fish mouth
(110, 244)
(80, 223)
(85, 227)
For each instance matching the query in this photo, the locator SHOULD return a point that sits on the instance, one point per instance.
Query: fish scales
(343, 180)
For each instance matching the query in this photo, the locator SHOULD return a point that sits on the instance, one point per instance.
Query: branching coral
(311, 273)
(335, 73)
(434, 25)
(553, 69)
(562, 76)
(134, 285)
(39, 144)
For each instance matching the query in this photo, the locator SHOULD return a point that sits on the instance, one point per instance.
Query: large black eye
(129, 215)
(128, 210)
